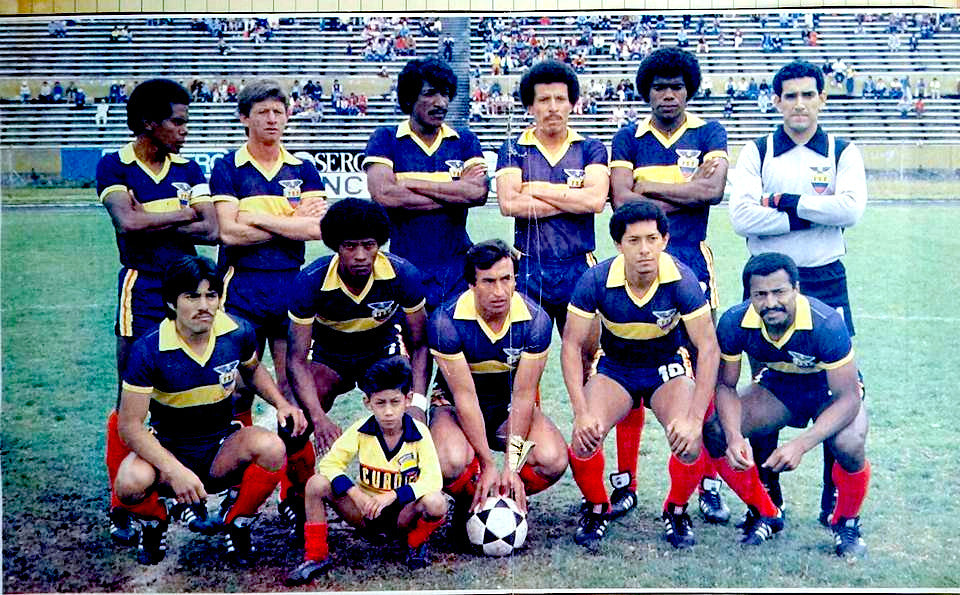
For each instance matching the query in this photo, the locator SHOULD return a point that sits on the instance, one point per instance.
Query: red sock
(421, 532)
(117, 450)
(746, 484)
(683, 479)
(244, 417)
(257, 484)
(464, 485)
(300, 468)
(533, 481)
(150, 508)
(315, 541)
(851, 490)
(588, 473)
(629, 431)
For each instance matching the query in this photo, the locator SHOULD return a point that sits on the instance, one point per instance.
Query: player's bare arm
(843, 383)
(386, 190)
(325, 431)
(522, 404)
(705, 187)
(235, 233)
(268, 390)
(470, 189)
(730, 411)
(134, 408)
(460, 381)
(514, 201)
(591, 198)
(588, 431)
(415, 340)
(686, 431)
(298, 227)
(128, 215)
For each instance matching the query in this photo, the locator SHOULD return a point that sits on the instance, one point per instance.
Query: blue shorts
(351, 367)
(494, 412)
(804, 395)
(198, 452)
(641, 383)
(550, 283)
(140, 307)
(260, 298)
(699, 257)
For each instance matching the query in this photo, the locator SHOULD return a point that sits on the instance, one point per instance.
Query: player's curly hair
(669, 62)
(483, 255)
(544, 73)
(184, 276)
(431, 70)
(797, 69)
(153, 101)
(259, 90)
(640, 210)
(389, 373)
(768, 263)
(354, 219)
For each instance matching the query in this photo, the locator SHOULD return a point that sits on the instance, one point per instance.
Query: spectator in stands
(222, 47)
(935, 88)
(737, 39)
(57, 92)
(231, 92)
(728, 108)
(79, 98)
(448, 47)
(742, 88)
(57, 28)
(753, 90)
(362, 104)
(869, 89)
(914, 42)
(921, 89)
(893, 42)
(813, 38)
(880, 90)
(103, 111)
(764, 100)
(702, 46)
(706, 86)
(731, 87)
(115, 33)
(682, 38)
(25, 93)
(70, 92)
(45, 95)
(777, 43)
(904, 105)
(919, 107)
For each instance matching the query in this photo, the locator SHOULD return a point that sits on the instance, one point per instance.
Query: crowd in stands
(386, 38)
(121, 33)
(258, 30)
(57, 28)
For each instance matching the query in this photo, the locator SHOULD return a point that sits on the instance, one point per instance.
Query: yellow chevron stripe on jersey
(638, 331)
(665, 174)
(200, 395)
(162, 205)
(802, 321)
(667, 272)
(431, 176)
(403, 129)
(357, 325)
(127, 156)
(490, 367)
(382, 270)
(690, 121)
(466, 309)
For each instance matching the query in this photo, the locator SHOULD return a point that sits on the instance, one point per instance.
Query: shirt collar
(466, 308)
(243, 156)
(667, 271)
(527, 137)
(783, 143)
(802, 321)
(382, 270)
(128, 156)
(646, 126)
(170, 339)
(403, 129)
(410, 431)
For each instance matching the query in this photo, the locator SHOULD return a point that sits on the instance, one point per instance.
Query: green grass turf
(58, 287)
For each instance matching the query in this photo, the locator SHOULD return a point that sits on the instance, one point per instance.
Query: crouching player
(642, 297)
(184, 374)
(808, 373)
(491, 345)
(398, 487)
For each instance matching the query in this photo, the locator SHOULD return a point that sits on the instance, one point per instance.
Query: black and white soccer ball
(498, 528)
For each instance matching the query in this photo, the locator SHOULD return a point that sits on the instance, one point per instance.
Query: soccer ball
(498, 528)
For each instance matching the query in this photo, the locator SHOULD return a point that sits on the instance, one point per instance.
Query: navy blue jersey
(458, 332)
(191, 392)
(562, 236)
(816, 341)
(180, 183)
(428, 239)
(672, 160)
(350, 324)
(639, 330)
(237, 177)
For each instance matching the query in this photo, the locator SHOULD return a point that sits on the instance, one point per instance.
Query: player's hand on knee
(325, 433)
(684, 434)
(739, 454)
(288, 414)
(487, 485)
(587, 433)
(512, 486)
(786, 457)
(186, 485)
(380, 502)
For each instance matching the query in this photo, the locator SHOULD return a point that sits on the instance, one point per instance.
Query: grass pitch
(58, 285)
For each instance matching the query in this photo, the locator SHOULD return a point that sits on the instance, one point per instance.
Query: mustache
(774, 309)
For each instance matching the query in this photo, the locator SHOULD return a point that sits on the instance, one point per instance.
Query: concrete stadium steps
(864, 121)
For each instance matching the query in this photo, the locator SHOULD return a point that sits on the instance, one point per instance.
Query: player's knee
(318, 487)
(551, 459)
(134, 478)
(433, 505)
(689, 456)
(267, 448)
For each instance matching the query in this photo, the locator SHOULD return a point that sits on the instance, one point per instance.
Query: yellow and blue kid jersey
(350, 324)
(458, 332)
(816, 341)
(238, 177)
(411, 468)
(653, 157)
(191, 392)
(639, 330)
(428, 239)
(180, 183)
(562, 236)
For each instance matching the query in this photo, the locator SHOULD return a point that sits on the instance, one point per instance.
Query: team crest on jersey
(665, 318)
(382, 310)
(574, 177)
(183, 192)
(454, 168)
(291, 190)
(228, 375)
(688, 161)
(408, 467)
(513, 355)
(803, 361)
(820, 178)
